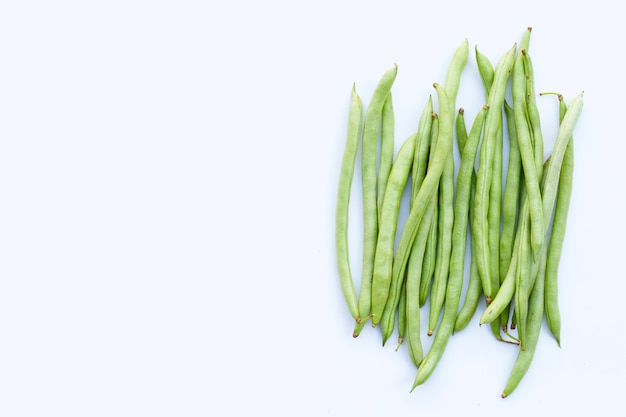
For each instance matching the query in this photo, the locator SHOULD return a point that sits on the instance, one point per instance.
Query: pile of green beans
(516, 232)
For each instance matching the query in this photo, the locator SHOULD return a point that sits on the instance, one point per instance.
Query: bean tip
(461, 111)
(504, 395)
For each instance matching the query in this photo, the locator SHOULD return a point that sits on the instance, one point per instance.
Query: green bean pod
(510, 201)
(457, 259)
(386, 150)
(430, 253)
(413, 315)
(371, 130)
(420, 161)
(480, 225)
(559, 223)
(401, 316)
(444, 243)
(529, 163)
(424, 195)
(535, 319)
(343, 201)
(382, 283)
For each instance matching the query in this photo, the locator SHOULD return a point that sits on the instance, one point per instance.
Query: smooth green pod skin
(461, 130)
(371, 130)
(559, 224)
(386, 150)
(446, 197)
(420, 161)
(343, 201)
(525, 41)
(485, 69)
(382, 282)
(457, 259)
(550, 186)
(413, 315)
(494, 214)
(535, 319)
(507, 288)
(418, 171)
(510, 201)
(401, 316)
(474, 288)
(529, 164)
(533, 113)
(424, 195)
(495, 194)
(430, 253)
(383, 264)
(480, 224)
(444, 243)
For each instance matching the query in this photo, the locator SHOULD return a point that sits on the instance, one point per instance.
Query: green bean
(444, 243)
(531, 174)
(420, 161)
(535, 318)
(343, 202)
(386, 150)
(474, 288)
(495, 195)
(401, 316)
(457, 258)
(507, 288)
(485, 69)
(430, 253)
(421, 150)
(494, 219)
(413, 316)
(382, 282)
(424, 195)
(461, 129)
(559, 223)
(472, 296)
(371, 130)
(485, 167)
(551, 185)
(533, 113)
(385, 287)
(446, 194)
(510, 202)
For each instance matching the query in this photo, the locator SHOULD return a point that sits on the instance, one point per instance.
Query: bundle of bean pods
(516, 232)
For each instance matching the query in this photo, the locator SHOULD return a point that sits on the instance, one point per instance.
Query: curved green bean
(430, 253)
(382, 283)
(424, 195)
(559, 223)
(510, 201)
(413, 315)
(383, 263)
(386, 149)
(535, 318)
(371, 130)
(343, 201)
(444, 243)
(529, 163)
(480, 224)
(457, 259)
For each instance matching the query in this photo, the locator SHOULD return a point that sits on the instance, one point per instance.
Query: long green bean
(343, 201)
(371, 130)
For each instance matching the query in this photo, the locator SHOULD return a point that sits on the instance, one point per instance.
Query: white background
(168, 175)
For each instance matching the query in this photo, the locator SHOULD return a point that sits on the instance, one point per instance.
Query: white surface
(168, 173)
